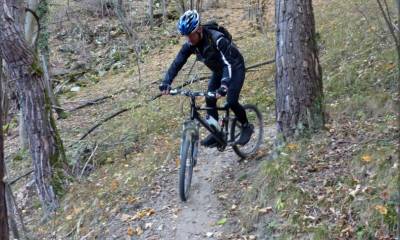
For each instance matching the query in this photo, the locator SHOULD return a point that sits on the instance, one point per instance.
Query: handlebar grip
(211, 95)
(173, 92)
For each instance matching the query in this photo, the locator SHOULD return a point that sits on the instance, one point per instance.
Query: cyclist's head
(189, 26)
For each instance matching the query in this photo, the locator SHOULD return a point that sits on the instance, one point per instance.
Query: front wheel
(254, 117)
(188, 155)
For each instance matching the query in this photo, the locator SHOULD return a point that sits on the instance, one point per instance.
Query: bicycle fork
(191, 131)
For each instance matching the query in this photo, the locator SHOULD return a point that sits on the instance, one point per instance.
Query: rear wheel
(254, 117)
(188, 159)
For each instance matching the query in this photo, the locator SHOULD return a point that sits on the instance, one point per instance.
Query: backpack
(213, 25)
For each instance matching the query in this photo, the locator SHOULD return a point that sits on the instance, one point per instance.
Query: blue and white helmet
(188, 22)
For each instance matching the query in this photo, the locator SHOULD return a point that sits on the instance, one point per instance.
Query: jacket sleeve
(224, 47)
(178, 63)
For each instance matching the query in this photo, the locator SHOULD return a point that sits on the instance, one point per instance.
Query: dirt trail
(200, 214)
(197, 218)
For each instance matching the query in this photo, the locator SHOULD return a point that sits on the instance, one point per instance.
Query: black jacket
(217, 52)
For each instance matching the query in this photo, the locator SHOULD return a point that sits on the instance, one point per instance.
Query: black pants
(238, 76)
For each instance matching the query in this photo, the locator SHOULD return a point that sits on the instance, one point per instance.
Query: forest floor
(337, 184)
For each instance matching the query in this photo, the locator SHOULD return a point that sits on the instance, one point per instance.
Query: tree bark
(164, 11)
(4, 98)
(299, 92)
(199, 4)
(4, 234)
(181, 5)
(45, 145)
(150, 13)
(42, 10)
(30, 26)
(30, 34)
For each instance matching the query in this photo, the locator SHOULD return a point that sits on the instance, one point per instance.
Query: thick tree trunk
(299, 94)
(45, 145)
(4, 234)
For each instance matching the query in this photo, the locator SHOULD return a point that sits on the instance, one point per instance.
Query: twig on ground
(88, 160)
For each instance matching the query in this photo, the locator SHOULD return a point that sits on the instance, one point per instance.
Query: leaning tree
(299, 94)
(25, 70)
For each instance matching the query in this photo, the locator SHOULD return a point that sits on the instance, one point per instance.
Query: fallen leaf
(223, 196)
(139, 231)
(348, 229)
(222, 221)
(309, 218)
(366, 158)
(114, 185)
(148, 225)
(381, 209)
(144, 213)
(126, 217)
(265, 210)
(130, 231)
(292, 146)
(355, 191)
(385, 195)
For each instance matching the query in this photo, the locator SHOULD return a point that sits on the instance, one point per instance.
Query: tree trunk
(30, 30)
(299, 94)
(31, 27)
(199, 5)
(181, 5)
(42, 10)
(3, 206)
(150, 13)
(4, 98)
(164, 11)
(45, 145)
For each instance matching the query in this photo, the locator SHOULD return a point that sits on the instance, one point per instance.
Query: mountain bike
(226, 134)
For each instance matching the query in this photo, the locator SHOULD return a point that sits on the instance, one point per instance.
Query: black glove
(164, 87)
(222, 91)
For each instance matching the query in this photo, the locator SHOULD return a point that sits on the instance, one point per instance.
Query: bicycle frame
(195, 115)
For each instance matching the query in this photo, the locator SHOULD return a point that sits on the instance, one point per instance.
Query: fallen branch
(20, 177)
(103, 121)
(91, 102)
(87, 162)
(87, 103)
(260, 64)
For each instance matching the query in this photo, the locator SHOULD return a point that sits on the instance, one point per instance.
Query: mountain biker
(225, 61)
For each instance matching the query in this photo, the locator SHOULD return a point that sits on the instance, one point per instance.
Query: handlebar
(190, 93)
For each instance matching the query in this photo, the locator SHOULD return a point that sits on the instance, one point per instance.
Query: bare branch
(389, 24)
